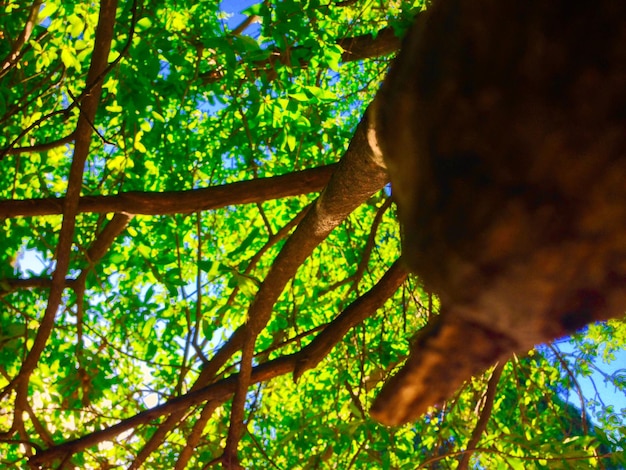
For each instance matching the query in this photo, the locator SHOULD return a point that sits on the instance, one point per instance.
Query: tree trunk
(503, 125)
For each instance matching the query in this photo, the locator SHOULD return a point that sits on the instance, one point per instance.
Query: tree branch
(104, 240)
(357, 176)
(193, 438)
(485, 414)
(96, 251)
(366, 46)
(10, 61)
(173, 202)
(574, 384)
(102, 46)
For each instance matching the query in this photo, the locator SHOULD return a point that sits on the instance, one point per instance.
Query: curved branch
(96, 251)
(102, 46)
(485, 414)
(575, 384)
(357, 176)
(41, 147)
(368, 46)
(365, 46)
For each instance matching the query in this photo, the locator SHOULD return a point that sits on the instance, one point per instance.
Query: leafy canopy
(169, 266)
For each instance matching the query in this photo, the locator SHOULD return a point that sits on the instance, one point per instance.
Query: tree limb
(12, 59)
(102, 46)
(357, 176)
(485, 414)
(368, 46)
(365, 46)
(173, 202)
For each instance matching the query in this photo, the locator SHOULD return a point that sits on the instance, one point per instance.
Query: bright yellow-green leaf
(137, 145)
(48, 10)
(69, 59)
(114, 108)
(36, 46)
(76, 26)
(116, 163)
(143, 24)
(157, 116)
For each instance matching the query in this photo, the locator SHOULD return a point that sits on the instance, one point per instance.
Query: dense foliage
(174, 291)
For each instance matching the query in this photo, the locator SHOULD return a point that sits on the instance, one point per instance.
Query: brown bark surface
(503, 125)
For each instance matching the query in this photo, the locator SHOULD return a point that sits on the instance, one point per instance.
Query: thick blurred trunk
(503, 125)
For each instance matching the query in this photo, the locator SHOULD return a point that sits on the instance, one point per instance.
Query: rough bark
(503, 128)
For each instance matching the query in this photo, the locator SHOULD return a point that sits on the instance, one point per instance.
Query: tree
(219, 276)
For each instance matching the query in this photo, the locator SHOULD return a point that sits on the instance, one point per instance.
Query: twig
(581, 398)
(485, 414)
(250, 20)
(194, 436)
(14, 55)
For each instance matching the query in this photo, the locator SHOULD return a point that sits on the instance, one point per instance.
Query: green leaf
(148, 327)
(143, 24)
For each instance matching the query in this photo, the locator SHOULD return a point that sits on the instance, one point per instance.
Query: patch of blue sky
(211, 106)
(598, 388)
(45, 22)
(234, 15)
(165, 69)
(31, 263)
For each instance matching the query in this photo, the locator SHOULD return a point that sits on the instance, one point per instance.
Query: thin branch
(92, 89)
(542, 458)
(579, 392)
(198, 312)
(11, 285)
(346, 3)
(245, 24)
(102, 46)
(193, 438)
(366, 46)
(230, 460)
(485, 415)
(42, 147)
(97, 249)
(261, 449)
(105, 239)
(24, 36)
(272, 240)
(357, 177)
(369, 246)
